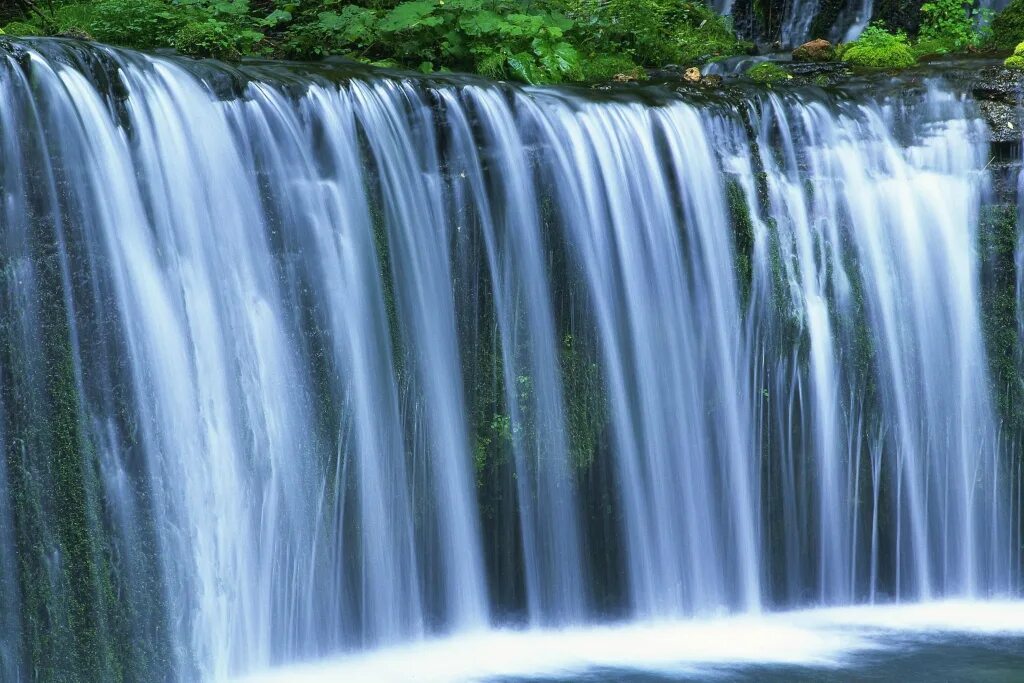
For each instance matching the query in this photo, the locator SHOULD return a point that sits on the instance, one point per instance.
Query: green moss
(1016, 60)
(743, 237)
(930, 48)
(1008, 26)
(997, 241)
(768, 72)
(584, 400)
(878, 49)
(607, 67)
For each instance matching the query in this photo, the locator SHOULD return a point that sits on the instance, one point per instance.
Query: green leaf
(481, 23)
(278, 16)
(409, 15)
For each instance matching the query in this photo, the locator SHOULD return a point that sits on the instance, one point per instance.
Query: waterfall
(304, 361)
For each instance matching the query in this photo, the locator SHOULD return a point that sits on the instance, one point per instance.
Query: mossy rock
(878, 49)
(768, 73)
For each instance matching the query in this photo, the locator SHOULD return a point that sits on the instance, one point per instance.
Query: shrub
(23, 28)
(953, 24)
(140, 24)
(878, 49)
(497, 38)
(655, 32)
(768, 72)
(210, 38)
(537, 41)
(1008, 26)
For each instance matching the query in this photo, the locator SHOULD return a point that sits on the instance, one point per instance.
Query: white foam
(818, 637)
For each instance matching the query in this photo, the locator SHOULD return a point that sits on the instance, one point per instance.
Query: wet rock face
(998, 92)
(818, 50)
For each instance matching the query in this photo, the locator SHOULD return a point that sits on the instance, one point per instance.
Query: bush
(1016, 60)
(655, 32)
(538, 41)
(878, 49)
(209, 38)
(768, 72)
(495, 38)
(953, 24)
(1008, 26)
(23, 28)
(139, 24)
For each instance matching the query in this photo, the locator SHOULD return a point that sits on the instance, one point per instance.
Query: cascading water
(292, 368)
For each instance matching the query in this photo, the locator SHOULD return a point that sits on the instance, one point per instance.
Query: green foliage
(536, 41)
(953, 24)
(1008, 26)
(878, 49)
(768, 72)
(23, 28)
(140, 24)
(1016, 60)
(497, 38)
(655, 32)
(930, 48)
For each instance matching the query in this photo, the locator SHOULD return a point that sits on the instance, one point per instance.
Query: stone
(692, 75)
(819, 50)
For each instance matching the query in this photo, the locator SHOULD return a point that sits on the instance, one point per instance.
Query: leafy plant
(878, 49)
(655, 32)
(954, 24)
(140, 24)
(537, 41)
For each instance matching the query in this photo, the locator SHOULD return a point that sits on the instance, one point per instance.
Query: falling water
(298, 362)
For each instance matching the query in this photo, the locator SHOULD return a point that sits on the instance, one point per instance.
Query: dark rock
(824, 74)
(997, 91)
(75, 34)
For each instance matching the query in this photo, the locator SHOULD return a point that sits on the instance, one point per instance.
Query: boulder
(692, 75)
(819, 50)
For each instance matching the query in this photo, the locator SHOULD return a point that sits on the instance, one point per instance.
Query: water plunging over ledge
(299, 361)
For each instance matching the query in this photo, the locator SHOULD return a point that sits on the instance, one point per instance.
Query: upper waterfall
(304, 360)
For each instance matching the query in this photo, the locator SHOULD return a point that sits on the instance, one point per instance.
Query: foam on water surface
(826, 637)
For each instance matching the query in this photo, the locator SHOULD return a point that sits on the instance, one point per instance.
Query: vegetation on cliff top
(528, 40)
(536, 41)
